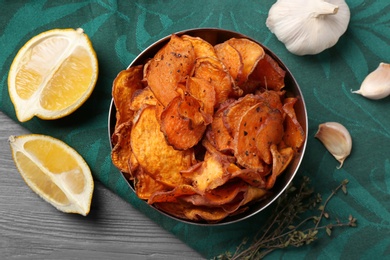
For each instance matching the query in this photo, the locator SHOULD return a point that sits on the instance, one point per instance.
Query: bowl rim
(139, 59)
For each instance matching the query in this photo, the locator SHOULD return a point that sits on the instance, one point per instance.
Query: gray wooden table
(33, 229)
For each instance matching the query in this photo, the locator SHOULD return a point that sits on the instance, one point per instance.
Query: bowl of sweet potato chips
(207, 126)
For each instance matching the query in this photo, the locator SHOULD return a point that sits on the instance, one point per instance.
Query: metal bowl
(215, 36)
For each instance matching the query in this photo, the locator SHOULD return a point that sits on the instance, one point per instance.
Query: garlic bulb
(308, 27)
(377, 84)
(336, 140)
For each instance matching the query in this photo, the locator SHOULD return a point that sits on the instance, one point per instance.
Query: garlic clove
(308, 27)
(336, 139)
(377, 84)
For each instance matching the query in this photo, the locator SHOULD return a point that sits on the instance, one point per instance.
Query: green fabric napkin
(120, 30)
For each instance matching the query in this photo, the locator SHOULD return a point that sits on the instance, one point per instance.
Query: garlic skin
(377, 84)
(308, 27)
(336, 139)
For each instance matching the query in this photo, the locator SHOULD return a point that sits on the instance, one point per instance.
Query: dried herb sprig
(291, 224)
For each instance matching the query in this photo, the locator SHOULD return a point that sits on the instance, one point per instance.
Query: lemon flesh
(55, 171)
(53, 74)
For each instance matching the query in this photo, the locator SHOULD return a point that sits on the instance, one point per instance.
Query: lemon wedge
(55, 171)
(53, 74)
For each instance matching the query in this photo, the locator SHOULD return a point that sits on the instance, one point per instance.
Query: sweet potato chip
(181, 132)
(230, 197)
(250, 176)
(205, 213)
(268, 74)
(174, 208)
(245, 149)
(191, 108)
(219, 196)
(124, 85)
(254, 194)
(212, 70)
(170, 66)
(210, 148)
(215, 206)
(203, 91)
(250, 195)
(188, 211)
(231, 116)
(281, 159)
(251, 53)
(148, 144)
(145, 186)
(121, 154)
(231, 58)
(209, 174)
(172, 195)
(159, 109)
(270, 132)
(273, 99)
(217, 133)
(201, 47)
(142, 97)
(294, 135)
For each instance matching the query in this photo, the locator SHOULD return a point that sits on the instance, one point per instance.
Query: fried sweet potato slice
(188, 211)
(294, 135)
(231, 58)
(251, 194)
(268, 74)
(182, 126)
(173, 208)
(230, 197)
(170, 66)
(148, 144)
(210, 148)
(172, 195)
(121, 153)
(281, 159)
(124, 85)
(270, 132)
(252, 177)
(202, 48)
(232, 114)
(251, 53)
(159, 109)
(245, 149)
(142, 97)
(212, 70)
(219, 196)
(217, 133)
(215, 205)
(203, 91)
(208, 174)
(273, 99)
(145, 186)
(214, 214)
(190, 108)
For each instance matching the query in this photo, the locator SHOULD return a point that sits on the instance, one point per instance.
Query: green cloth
(120, 30)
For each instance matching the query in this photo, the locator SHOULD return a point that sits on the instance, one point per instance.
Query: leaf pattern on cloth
(120, 30)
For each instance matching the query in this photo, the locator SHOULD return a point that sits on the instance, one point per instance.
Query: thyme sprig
(291, 224)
